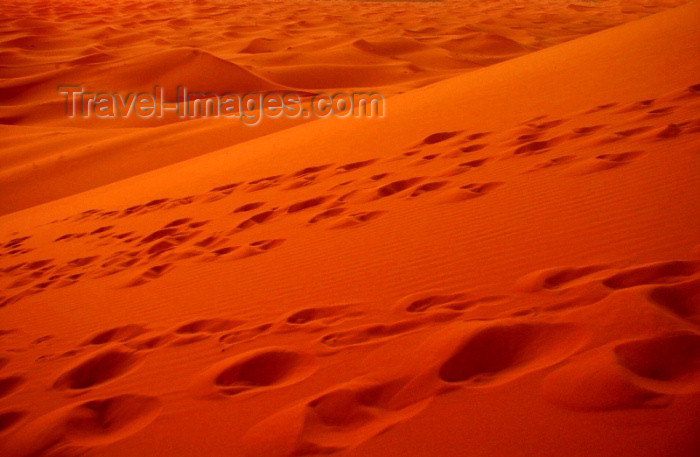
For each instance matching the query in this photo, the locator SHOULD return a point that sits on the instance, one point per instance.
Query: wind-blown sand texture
(506, 264)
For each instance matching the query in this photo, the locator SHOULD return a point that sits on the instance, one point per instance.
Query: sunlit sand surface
(506, 264)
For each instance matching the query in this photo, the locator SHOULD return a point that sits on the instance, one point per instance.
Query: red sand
(507, 264)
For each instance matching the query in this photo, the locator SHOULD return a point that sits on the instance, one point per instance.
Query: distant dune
(506, 264)
(238, 47)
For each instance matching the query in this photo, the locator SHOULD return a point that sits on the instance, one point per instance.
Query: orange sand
(507, 264)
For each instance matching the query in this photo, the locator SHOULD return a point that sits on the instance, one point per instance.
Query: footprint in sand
(355, 166)
(84, 426)
(101, 229)
(493, 354)
(379, 176)
(556, 278)
(534, 147)
(244, 334)
(428, 187)
(195, 331)
(306, 204)
(554, 162)
(97, 369)
(605, 162)
(239, 252)
(211, 241)
(356, 219)
(158, 234)
(152, 205)
(216, 195)
(178, 222)
(264, 183)
(340, 418)
(476, 136)
(438, 137)
(210, 326)
(670, 131)
(150, 274)
(9, 419)
(639, 105)
(257, 219)
(667, 363)
(682, 299)
(254, 371)
(183, 201)
(116, 335)
(395, 187)
(603, 107)
(311, 170)
(661, 111)
(147, 343)
(220, 252)
(370, 333)
(328, 214)
(410, 153)
(16, 242)
(653, 273)
(474, 163)
(321, 317)
(547, 124)
(10, 384)
(248, 207)
(226, 188)
(430, 157)
(442, 301)
(472, 148)
(423, 301)
(471, 191)
(640, 373)
(77, 263)
(587, 130)
(300, 182)
(624, 134)
(306, 176)
(259, 247)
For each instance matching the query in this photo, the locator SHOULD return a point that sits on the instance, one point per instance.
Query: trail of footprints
(349, 201)
(469, 340)
(465, 331)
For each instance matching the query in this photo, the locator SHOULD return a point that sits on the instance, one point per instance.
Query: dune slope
(507, 264)
(234, 46)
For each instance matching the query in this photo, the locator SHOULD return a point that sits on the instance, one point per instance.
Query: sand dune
(508, 263)
(346, 45)
(192, 68)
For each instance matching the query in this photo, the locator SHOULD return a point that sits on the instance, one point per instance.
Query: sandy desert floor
(506, 264)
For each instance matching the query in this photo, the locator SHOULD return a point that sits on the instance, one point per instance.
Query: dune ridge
(266, 46)
(507, 264)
